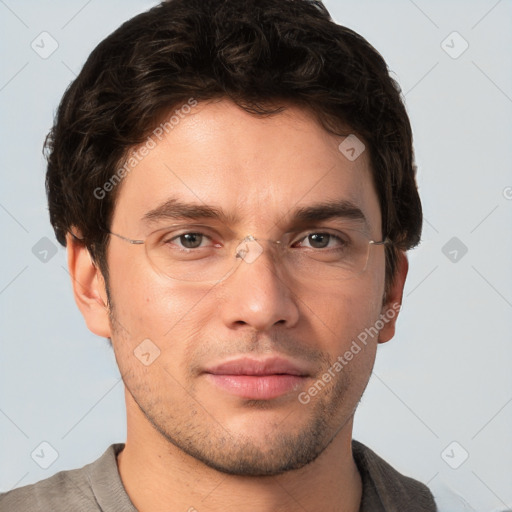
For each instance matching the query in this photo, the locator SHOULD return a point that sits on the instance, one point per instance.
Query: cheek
(159, 318)
(349, 306)
(155, 307)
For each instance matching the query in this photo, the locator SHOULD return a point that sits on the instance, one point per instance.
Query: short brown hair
(258, 53)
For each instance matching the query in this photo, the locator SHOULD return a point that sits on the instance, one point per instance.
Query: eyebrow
(342, 209)
(179, 210)
(329, 210)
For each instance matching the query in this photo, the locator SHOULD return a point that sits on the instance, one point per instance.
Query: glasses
(200, 254)
(195, 254)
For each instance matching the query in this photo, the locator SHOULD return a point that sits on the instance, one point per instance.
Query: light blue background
(445, 377)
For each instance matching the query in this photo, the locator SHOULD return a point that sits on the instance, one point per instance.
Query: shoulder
(385, 486)
(66, 490)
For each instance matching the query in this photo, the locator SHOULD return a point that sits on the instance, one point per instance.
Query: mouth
(258, 379)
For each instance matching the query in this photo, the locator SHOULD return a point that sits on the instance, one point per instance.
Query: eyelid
(226, 234)
(300, 235)
(175, 230)
(176, 236)
(336, 224)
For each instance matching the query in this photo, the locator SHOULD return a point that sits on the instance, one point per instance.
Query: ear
(88, 287)
(393, 299)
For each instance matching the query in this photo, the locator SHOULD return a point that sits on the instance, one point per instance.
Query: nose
(257, 294)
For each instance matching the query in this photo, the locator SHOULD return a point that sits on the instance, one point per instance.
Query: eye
(190, 240)
(321, 240)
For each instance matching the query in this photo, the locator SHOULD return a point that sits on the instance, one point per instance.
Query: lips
(248, 366)
(258, 379)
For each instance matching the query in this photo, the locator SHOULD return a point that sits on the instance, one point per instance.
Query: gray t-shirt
(98, 487)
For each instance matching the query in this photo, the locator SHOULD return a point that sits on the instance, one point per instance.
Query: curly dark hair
(261, 54)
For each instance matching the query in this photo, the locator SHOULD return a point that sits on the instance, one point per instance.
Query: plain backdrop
(439, 404)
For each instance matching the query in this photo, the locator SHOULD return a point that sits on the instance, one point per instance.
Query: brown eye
(319, 240)
(188, 240)
(191, 240)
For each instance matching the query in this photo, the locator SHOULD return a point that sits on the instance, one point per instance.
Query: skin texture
(190, 443)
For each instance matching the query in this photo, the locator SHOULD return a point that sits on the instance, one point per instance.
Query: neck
(160, 477)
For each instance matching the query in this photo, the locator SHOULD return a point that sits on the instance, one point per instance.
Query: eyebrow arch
(341, 209)
(176, 209)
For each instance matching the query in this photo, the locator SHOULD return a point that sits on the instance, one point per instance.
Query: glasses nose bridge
(250, 248)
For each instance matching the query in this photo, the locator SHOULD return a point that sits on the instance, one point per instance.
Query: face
(227, 366)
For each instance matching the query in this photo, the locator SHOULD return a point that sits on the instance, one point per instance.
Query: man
(234, 183)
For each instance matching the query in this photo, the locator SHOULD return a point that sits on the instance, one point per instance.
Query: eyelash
(339, 239)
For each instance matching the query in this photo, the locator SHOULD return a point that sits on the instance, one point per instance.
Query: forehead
(255, 169)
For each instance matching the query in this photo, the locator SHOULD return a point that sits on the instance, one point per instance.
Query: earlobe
(88, 287)
(393, 303)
